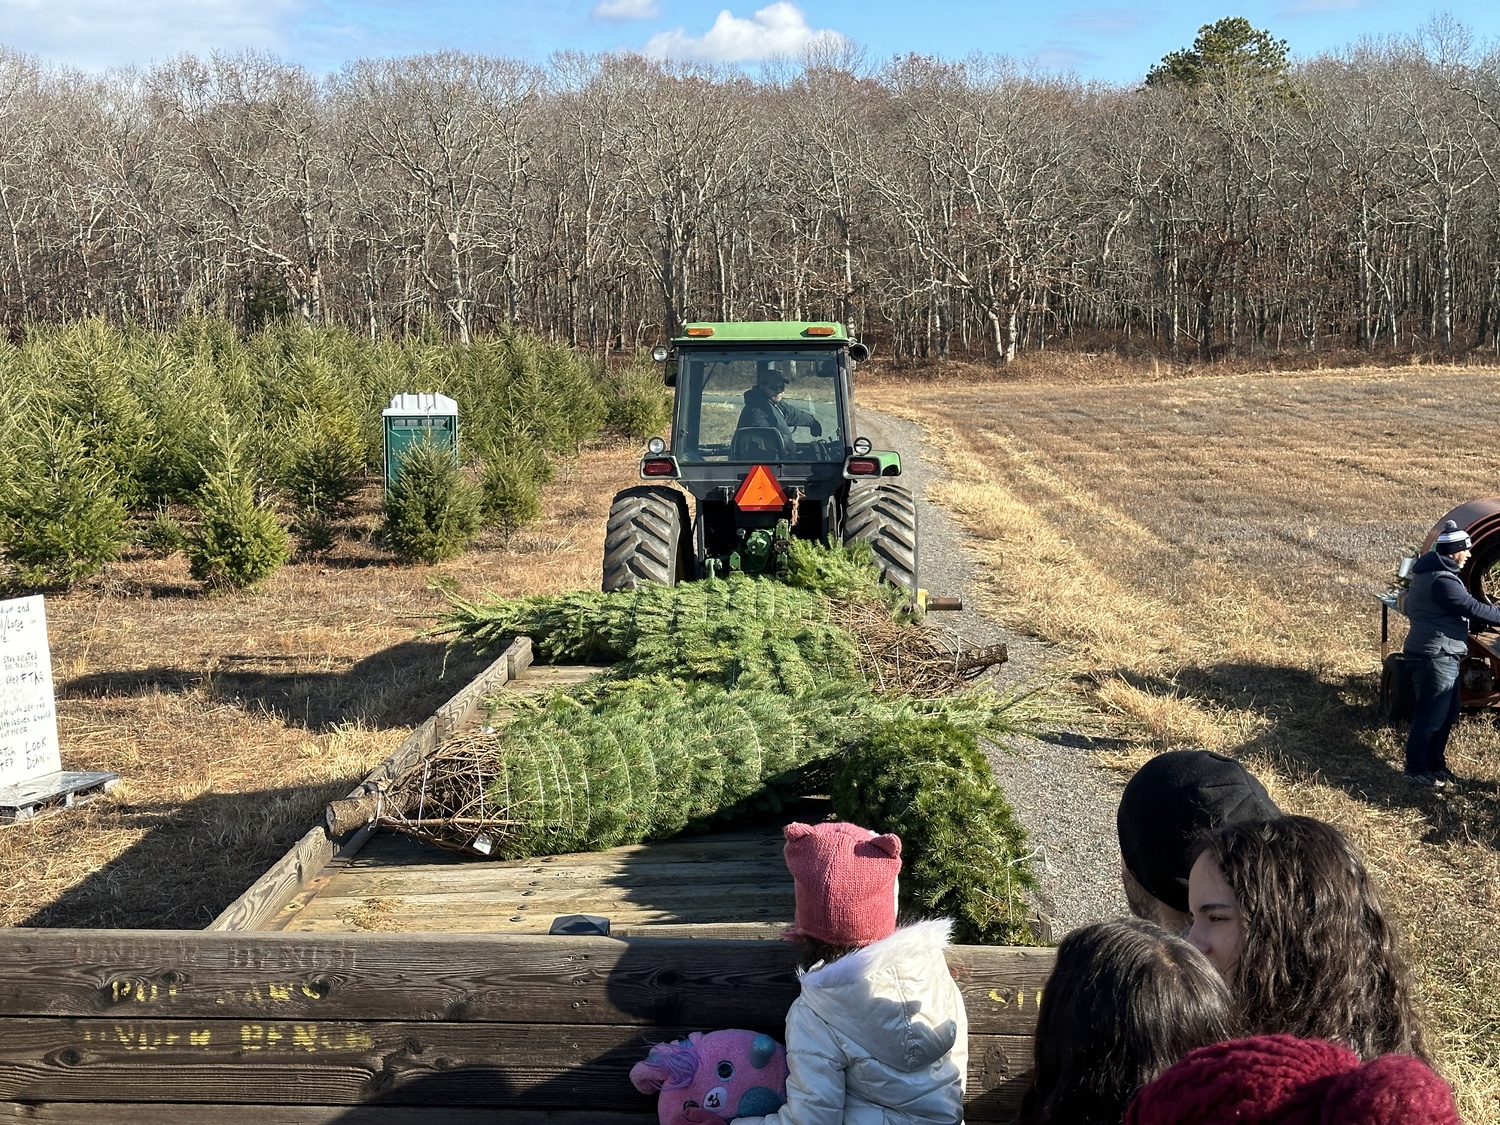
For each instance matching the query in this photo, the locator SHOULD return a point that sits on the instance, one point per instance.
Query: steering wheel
(759, 443)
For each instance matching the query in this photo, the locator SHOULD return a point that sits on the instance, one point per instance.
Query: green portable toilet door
(413, 418)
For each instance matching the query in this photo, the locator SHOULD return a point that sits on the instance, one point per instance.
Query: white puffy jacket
(878, 1037)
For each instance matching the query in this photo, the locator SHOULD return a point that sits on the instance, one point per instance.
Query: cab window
(722, 396)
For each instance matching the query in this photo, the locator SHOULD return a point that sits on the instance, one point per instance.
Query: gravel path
(1066, 801)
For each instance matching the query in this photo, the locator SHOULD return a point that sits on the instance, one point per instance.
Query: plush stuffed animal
(712, 1079)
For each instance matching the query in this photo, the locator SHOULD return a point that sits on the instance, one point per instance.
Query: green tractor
(763, 439)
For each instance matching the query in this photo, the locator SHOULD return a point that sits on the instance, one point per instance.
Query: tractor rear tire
(646, 539)
(885, 516)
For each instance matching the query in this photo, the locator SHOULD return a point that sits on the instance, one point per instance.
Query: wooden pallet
(60, 790)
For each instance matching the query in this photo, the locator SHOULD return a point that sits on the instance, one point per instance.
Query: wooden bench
(175, 1027)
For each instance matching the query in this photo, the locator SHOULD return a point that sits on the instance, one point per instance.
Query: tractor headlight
(862, 445)
(656, 445)
(660, 353)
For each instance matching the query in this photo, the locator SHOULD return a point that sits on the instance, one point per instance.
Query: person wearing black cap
(765, 410)
(1170, 802)
(1440, 608)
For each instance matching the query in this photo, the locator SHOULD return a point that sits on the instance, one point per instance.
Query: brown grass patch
(1207, 547)
(233, 720)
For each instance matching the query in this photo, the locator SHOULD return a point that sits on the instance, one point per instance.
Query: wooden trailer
(371, 979)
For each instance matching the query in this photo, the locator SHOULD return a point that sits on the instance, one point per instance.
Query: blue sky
(1108, 40)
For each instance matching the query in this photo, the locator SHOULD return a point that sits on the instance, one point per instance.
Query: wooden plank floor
(731, 885)
(734, 882)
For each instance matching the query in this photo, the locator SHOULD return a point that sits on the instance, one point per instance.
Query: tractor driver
(765, 410)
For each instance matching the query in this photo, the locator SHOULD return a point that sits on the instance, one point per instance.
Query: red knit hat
(1283, 1080)
(846, 882)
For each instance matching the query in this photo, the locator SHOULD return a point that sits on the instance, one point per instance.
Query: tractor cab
(764, 442)
(757, 404)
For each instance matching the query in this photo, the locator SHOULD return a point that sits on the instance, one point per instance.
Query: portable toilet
(414, 418)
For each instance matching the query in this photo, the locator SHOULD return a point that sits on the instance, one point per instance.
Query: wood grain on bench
(117, 1026)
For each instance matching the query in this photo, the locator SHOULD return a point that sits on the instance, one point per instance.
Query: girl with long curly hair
(1287, 913)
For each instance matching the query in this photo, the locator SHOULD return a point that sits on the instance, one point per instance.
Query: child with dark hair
(879, 1032)
(1286, 911)
(1124, 1002)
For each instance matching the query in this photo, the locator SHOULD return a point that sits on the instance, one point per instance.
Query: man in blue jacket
(1440, 609)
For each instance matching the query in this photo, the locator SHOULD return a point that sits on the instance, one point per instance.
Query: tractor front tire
(646, 539)
(885, 516)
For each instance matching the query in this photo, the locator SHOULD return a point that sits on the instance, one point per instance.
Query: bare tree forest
(943, 207)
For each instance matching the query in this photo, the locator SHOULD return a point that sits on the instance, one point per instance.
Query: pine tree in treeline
(431, 511)
(150, 411)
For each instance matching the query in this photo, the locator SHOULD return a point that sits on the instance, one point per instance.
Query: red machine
(1479, 674)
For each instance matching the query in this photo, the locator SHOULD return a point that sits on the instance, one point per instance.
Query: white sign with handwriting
(28, 711)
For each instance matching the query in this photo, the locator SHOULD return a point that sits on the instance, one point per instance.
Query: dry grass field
(233, 720)
(1207, 548)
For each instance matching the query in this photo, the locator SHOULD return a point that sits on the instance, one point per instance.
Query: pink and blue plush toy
(712, 1079)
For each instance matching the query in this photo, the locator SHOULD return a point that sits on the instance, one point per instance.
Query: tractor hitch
(761, 551)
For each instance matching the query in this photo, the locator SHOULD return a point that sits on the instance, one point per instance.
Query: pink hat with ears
(846, 882)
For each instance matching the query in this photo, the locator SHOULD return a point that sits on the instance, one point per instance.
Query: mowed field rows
(1207, 549)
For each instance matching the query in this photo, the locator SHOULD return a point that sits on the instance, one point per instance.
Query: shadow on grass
(1330, 728)
(192, 860)
(398, 686)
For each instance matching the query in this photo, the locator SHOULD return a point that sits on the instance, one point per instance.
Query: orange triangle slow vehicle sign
(760, 491)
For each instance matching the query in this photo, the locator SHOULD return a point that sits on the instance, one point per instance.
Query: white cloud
(94, 34)
(1060, 58)
(1107, 21)
(626, 9)
(779, 29)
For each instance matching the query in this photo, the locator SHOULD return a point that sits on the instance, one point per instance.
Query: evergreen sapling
(238, 541)
(431, 511)
(60, 519)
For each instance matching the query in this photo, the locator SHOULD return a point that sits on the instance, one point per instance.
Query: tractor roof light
(699, 330)
(862, 445)
(656, 445)
(820, 330)
(660, 353)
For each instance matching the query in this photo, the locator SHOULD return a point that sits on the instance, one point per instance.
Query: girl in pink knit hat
(878, 1035)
